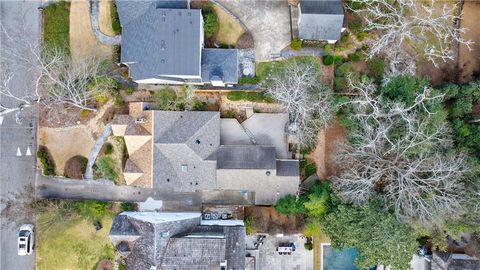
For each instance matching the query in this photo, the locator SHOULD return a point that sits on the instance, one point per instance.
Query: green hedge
(210, 19)
(249, 96)
(376, 67)
(327, 60)
(116, 27)
(46, 160)
(355, 25)
(296, 44)
(356, 56)
(361, 36)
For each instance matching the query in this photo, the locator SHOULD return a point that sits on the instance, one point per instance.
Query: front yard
(72, 243)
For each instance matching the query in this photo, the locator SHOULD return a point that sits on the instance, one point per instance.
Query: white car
(26, 239)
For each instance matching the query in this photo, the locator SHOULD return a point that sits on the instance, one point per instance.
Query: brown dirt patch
(75, 167)
(105, 265)
(65, 143)
(229, 30)
(327, 74)
(245, 41)
(445, 72)
(83, 42)
(267, 220)
(323, 153)
(469, 61)
(105, 17)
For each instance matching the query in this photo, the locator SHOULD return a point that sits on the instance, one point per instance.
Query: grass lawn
(265, 68)
(116, 27)
(249, 96)
(73, 244)
(229, 30)
(56, 25)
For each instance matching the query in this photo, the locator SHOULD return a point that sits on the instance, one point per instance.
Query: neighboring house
(454, 261)
(186, 151)
(169, 240)
(162, 43)
(321, 20)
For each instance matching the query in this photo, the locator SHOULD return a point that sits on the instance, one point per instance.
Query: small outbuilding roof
(220, 64)
(321, 19)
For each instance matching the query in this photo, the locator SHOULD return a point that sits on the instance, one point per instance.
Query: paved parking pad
(267, 257)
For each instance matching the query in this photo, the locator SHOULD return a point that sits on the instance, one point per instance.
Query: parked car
(26, 240)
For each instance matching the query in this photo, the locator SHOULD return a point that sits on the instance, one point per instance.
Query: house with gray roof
(454, 261)
(171, 240)
(162, 43)
(321, 20)
(197, 151)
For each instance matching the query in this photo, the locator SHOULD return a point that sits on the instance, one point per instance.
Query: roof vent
(140, 120)
(184, 168)
(164, 14)
(162, 61)
(197, 141)
(267, 173)
(163, 46)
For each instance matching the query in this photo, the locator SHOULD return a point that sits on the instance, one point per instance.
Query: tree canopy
(377, 235)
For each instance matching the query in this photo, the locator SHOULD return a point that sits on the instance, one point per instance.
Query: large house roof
(182, 143)
(321, 19)
(177, 241)
(158, 42)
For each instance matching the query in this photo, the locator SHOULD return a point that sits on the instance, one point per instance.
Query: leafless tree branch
(307, 100)
(430, 27)
(395, 151)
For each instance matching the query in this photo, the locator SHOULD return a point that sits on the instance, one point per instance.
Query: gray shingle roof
(443, 260)
(159, 42)
(222, 63)
(121, 226)
(149, 248)
(172, 4)
(180, 243)
(288, 167)
(182, 143)
(245, 157)
(321, 20)
(321, 7)
(194, 253)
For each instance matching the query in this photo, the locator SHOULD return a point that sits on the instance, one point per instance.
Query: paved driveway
(267, 20)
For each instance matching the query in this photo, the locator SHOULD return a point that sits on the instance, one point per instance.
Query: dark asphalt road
(17, 169)
(50, 187)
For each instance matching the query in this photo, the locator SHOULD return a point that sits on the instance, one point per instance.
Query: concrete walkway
(94, 13)
(95, 150)
(104, 190)
(289, 53)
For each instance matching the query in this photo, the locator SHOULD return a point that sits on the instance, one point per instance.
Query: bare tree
(307, 100)
(74, 83)
(19, 205)
(432, 28)
(398, 151)
(59, 79)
